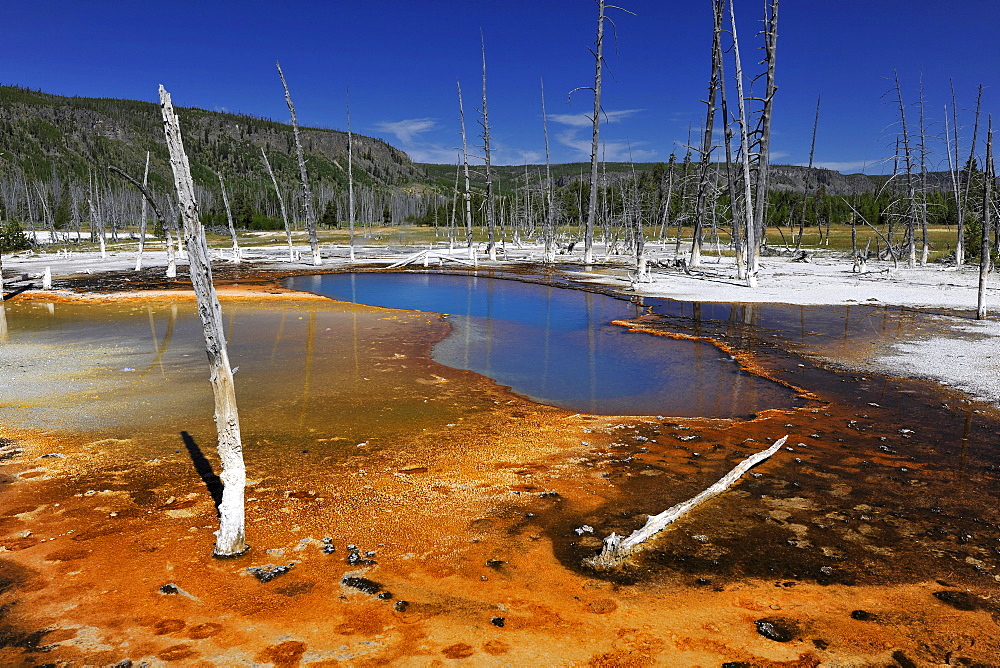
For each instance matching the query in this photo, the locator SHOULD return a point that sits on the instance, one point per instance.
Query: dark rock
(902, 660)
(401, 606)
(498, 622)
(385, 596)
(268, 572)
(361, 584)
(862, 616)
(169, 588)
(776, 629)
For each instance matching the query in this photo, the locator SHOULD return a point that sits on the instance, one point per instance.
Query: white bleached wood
(237, 256)
(142, 219)
(617, 548)
(307, 196)
(281, 203)
(230, 536)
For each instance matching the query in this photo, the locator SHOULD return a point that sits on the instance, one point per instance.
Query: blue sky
(401, 60)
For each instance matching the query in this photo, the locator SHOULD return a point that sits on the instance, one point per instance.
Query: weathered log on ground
(618, 548)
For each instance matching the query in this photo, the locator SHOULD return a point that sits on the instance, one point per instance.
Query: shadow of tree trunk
(203, 468)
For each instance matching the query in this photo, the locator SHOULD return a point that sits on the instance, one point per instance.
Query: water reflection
(843, 331)
(559, 347)
(317, 374)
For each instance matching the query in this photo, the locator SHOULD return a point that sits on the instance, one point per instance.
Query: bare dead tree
(911, 196)
(98, 224)
(454, 204)
(307, 197)
(598, 53)
(465, 165)
(984, 257)
(548, 231)
(148, 197)
(46, 215)
(748, 207)
(281, 204)
(922, 148)
(230, 541)
(763, 153)
(229, 220)
(350, 177)
(718, 9)
(142, 218)
(959, 175)
(805, 195)
(484, 122)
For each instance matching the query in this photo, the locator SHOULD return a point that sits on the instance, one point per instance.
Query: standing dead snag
(237, 255)
(306, 192)
(467, 195)
(281, 204)
(350, 177)
(491, 243)
(588, 234)
(230, 536)
(984, 257)
(617, 549)
(714, 81)
(142, 219)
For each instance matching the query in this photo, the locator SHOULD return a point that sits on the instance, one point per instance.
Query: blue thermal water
(558, 346)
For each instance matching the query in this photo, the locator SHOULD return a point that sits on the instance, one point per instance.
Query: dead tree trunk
(548, 232)
(229, 220)
(307, 197)
(617, 548)
(911, 195)
(230, 536)
(588, 233)
(350, 178)
(281, 205)
(922, 126)
(465, 164)
(748, 208)
(491, 244)
(148, 197)
(963, 209)
(984, 258)
(718, 9)
(764, 142)
(805, 194)
(142, 218)
(96, 222)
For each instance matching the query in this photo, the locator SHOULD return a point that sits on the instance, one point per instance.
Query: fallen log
(409, 260)
(618, 548)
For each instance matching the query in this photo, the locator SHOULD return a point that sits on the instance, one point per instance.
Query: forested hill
(784, 178)
(46, 138)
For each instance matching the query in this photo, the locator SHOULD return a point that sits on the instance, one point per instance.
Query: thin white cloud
(584, 120)
(406, 131)
(611, 151)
